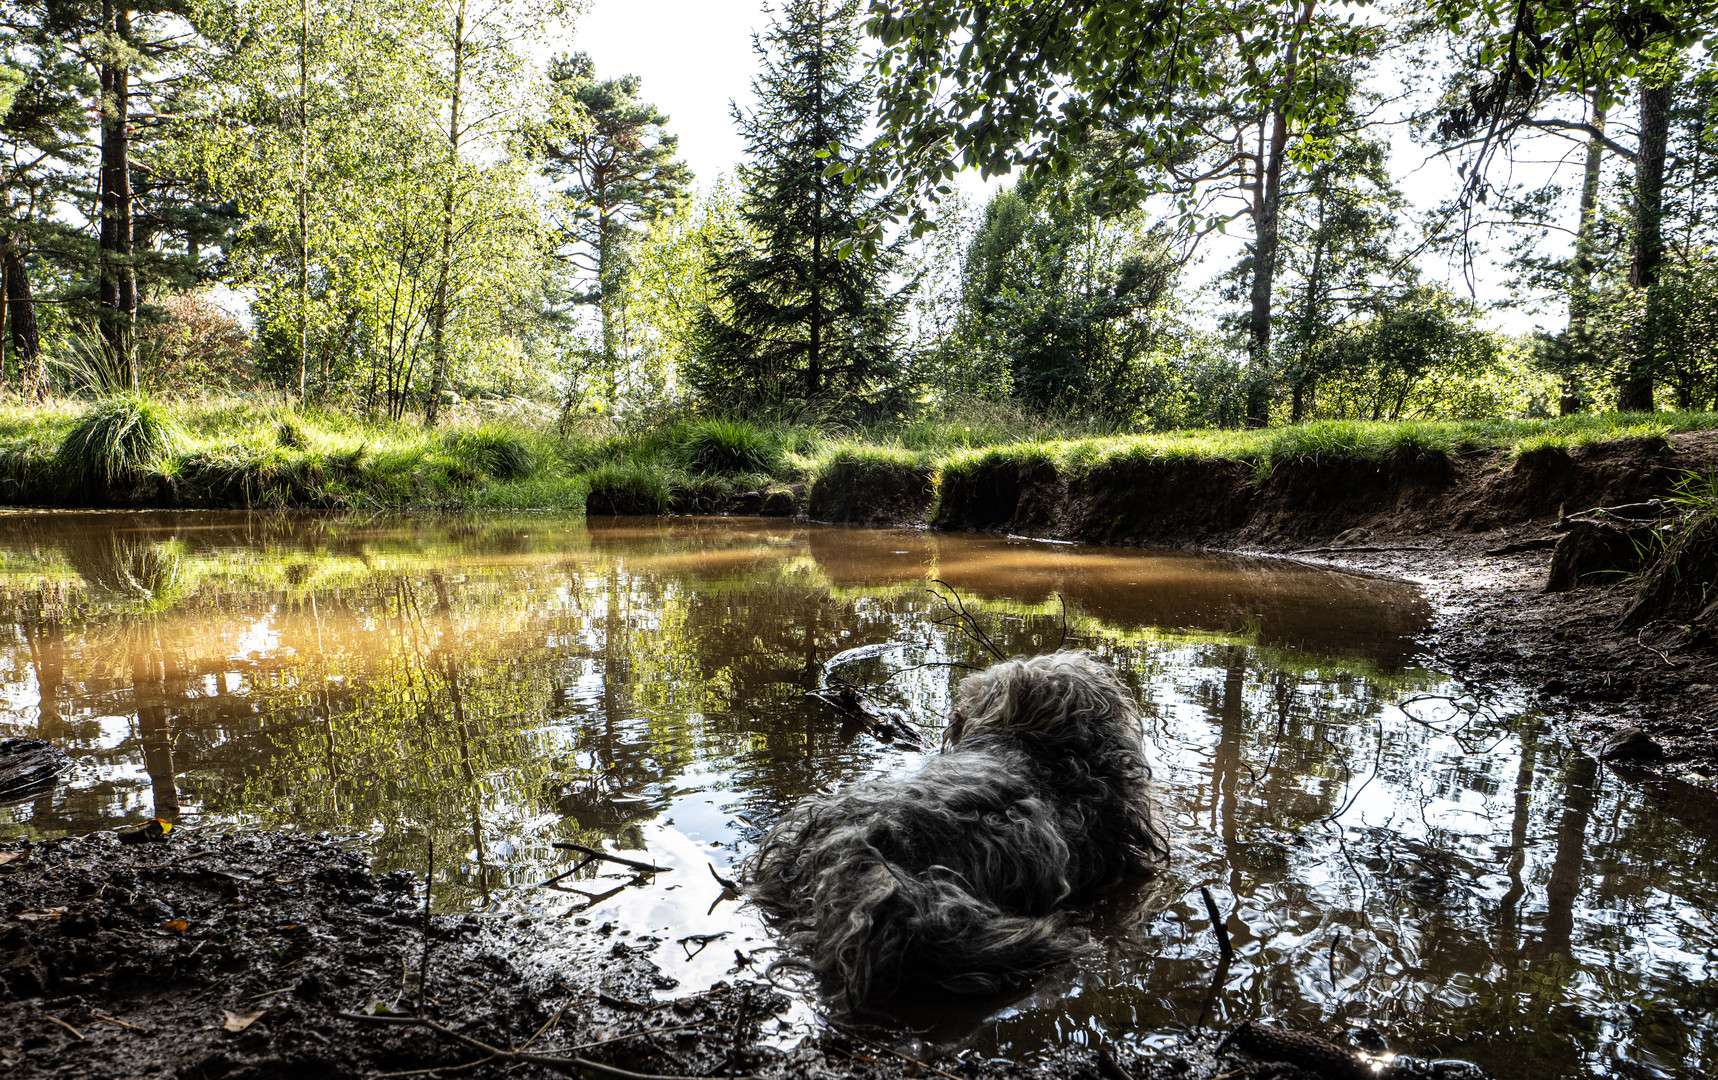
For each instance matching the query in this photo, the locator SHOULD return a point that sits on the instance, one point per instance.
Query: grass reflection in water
(1388, 852)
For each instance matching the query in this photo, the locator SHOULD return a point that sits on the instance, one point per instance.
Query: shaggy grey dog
(957, 876)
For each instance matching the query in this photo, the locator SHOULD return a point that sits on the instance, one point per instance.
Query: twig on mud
(434, 1070)
(702, 940)
(722, 881)
(570, 1062)
(116, 1020)
(56, 1020)
(593, 853)
(1109, 1068)
(1538, 543)
(1639, 639)
(1357, 550)
(646, 1031)
(928, 1067)
(1218, 926)
(547, 1024)
(631, 1006)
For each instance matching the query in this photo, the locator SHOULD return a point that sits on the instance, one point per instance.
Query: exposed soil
(1433, 519)
(140, 960)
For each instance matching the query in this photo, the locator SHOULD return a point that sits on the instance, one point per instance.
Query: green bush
(626, 488)
(492, 451)
(118, 439)
(729, 446)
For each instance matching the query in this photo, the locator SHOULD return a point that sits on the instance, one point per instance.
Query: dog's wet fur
(961, 876)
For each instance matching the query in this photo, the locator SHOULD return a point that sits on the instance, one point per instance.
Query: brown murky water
(1391, 852)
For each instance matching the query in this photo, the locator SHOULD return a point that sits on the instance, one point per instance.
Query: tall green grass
(723, 446)
(495, 451)
(119, 438)
(255, 451)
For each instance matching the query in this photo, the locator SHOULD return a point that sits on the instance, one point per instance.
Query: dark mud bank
(1211, 501)
(1475, 529)
(271, 955)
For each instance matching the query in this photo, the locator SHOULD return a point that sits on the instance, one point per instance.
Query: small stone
(1629, 744)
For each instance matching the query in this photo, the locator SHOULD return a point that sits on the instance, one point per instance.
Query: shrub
(626, 488)
(117, 439)
(193, 342)
(729, 446)
(493, 451)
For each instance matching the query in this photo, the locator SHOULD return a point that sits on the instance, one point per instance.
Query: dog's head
(1061, 696)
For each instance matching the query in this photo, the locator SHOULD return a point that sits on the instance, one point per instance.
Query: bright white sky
(695, 57)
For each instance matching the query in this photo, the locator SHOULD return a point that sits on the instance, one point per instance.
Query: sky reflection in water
(1405, 857)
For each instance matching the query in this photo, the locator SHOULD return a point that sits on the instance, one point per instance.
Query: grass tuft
(119, 438)
(620, 487)
(291, 433)
(724, 447)
(492, 451)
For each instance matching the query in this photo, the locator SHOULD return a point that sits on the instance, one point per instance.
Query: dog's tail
(864, 926)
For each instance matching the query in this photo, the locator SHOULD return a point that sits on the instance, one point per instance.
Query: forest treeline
(390, 206)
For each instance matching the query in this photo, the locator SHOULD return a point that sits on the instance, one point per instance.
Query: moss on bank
(258, 453)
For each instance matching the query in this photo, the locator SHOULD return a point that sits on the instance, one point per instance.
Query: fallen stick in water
(651, 868)
(1218, 927)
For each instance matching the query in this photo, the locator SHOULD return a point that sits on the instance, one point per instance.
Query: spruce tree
(797, 317)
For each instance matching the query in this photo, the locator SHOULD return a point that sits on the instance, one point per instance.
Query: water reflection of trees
(492, 687)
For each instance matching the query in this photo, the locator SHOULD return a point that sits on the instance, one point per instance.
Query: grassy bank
(249, 452)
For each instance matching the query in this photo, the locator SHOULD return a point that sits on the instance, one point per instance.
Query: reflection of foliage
(129, 569)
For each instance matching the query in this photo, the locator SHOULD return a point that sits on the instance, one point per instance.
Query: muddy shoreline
(237, 954)
(1436, 520)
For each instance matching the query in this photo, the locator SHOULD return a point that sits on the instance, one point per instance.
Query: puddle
(1388, 851)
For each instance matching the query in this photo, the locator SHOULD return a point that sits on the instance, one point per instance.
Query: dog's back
(953, 877)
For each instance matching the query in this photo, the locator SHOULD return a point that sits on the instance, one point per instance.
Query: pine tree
(799, 319)
(617, 161)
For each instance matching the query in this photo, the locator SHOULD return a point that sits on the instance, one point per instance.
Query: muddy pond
(1390, 851)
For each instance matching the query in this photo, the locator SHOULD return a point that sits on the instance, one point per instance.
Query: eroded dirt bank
(259, 955)
(1449, 522)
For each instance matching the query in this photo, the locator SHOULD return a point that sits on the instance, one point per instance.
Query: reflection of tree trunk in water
(1508, 912)
(149, 698)
(611, 661)
(327, 710)
(448, 664)
(1226, 770)
(1225, 762)
(47, 656)
(1565, 883)
(813, 667)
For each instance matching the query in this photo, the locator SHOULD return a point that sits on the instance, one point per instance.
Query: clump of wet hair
(960, 876)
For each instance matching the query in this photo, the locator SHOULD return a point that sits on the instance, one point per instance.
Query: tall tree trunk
(26, 346)
(606, 286)
(303, 190)
(814, 361)
(118, 287)
(1647, 247)
(1267, 202)
(1309, 323)
(1580, 278)
(438, 324)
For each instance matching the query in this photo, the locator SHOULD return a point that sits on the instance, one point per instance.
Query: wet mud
(272, 955)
